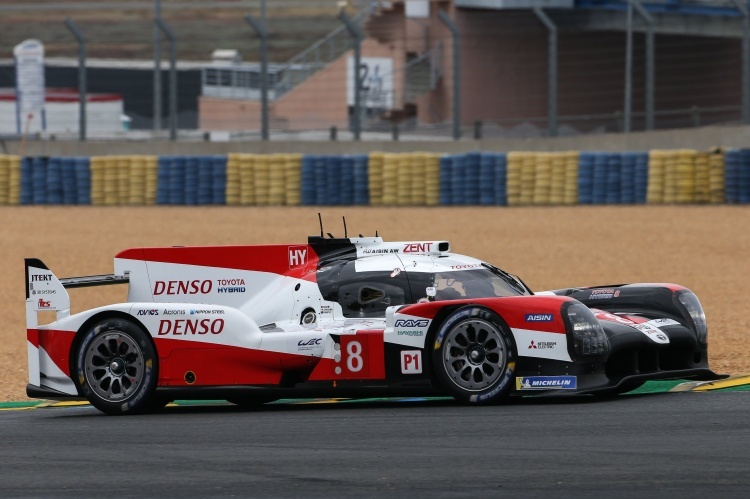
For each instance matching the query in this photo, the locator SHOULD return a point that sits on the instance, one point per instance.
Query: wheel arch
(98, 317)
(449, 310)
(494, 316)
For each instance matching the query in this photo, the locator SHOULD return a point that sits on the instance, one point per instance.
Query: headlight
(588, 339)
(694, 312)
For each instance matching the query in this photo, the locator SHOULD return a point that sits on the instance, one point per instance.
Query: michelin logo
(546, 383)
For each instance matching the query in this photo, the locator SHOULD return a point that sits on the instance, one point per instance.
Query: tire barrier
(608, 178)
(572, 159)
(361, 181)
(702, 186)
(233, 180)
(716, 176)
(737, 176)
(446, 175)
(261, 179)
(43, 180)
(744, 177)
(389, 186)
(10, 179)
(404, 179)
(487, 183)
(542, 178)
(375, 177)
(122, 180)
(687, 176)
(732, 176)
(465, 179)
(293, 179)
(333, 180)
(513, 180)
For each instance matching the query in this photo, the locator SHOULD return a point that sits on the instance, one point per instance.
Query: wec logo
(412, 323)
(309, 343)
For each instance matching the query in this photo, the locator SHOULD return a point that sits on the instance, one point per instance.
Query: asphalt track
(670, 444)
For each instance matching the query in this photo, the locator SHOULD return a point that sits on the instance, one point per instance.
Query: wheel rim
(114, 366)
(474, 354)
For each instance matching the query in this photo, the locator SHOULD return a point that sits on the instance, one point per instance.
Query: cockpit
(481, 282)
(368, 288)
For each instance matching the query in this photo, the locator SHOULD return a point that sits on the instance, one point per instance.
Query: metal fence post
(172, 77)
(628, 70)
(448, 22)
(357, 35)
(649, 62)
(157, 67)
(82, 92)
(551, 71)
(260, 29)
(745, 12)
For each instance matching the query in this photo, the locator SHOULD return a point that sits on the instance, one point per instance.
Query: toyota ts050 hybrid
(348, 317)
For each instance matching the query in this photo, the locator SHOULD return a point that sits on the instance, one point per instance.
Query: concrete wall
(694, 138)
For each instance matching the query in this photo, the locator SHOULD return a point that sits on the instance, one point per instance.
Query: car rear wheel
(116, 368)
(474, 356)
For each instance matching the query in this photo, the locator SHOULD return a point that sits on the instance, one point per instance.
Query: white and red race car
(347, 317)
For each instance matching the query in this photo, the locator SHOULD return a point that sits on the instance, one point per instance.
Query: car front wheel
(474, 356)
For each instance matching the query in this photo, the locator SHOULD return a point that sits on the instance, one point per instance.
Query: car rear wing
(47, 292)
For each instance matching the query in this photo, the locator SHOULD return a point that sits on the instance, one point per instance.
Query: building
(525, 67)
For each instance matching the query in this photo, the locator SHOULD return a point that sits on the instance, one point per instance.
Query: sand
(706, 248)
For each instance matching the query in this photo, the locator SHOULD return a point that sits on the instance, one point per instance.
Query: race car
(348, 317)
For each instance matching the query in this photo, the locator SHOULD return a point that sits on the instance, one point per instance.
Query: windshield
(475, 283)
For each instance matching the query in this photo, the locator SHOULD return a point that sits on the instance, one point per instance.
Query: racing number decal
(362, 356)
(354, 359)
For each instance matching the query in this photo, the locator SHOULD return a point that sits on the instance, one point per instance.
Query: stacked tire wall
(515, 178)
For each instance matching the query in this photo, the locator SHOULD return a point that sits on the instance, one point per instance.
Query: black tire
(474, 356)
(116, 368)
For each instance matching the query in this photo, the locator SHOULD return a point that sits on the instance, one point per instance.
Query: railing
(424, 67)
(242, 81)
(581, 124)
(318, 55)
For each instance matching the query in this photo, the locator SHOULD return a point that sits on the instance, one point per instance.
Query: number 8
(354, 360)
